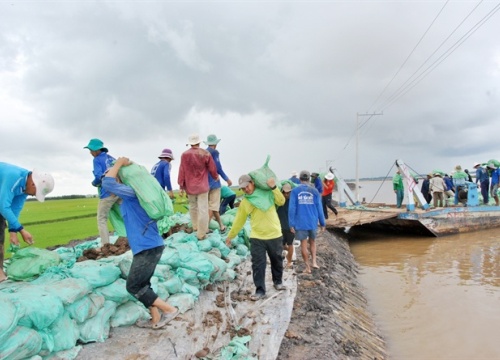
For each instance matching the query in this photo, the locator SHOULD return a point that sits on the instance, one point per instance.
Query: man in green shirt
(397, 185)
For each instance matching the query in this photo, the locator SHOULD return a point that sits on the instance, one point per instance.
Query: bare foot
(315, 266)
(307, 271)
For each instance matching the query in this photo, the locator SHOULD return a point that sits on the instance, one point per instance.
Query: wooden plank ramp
(352, 216)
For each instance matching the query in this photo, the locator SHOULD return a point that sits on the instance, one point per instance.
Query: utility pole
(357, 148)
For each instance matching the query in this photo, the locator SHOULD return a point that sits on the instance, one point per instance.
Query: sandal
(165, 319)
(223, 230)
(143, 323)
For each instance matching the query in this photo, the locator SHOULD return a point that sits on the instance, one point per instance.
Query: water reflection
(434, 298)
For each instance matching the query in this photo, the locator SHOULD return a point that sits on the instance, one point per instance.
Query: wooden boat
(464, 216)
(431, 222)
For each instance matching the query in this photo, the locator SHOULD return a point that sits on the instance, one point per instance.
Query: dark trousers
(485, 186)
(229, 201)
(3, 225)
(139, 277)
(274, 249)
(327, 203)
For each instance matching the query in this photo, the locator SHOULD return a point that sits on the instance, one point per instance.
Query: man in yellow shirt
(265, 235)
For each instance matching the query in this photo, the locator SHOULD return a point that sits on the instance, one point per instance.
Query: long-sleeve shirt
(437, 184)
(397, 182)
(211, 182)
(12, 194)
(283, 214)
(102, 163)
(196, 164)
(265, 225)
(482, 175)
(161, 171)
(142, 231)
(305, 209)
(318, 184)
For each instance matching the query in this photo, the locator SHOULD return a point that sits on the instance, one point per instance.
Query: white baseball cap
(44, 183)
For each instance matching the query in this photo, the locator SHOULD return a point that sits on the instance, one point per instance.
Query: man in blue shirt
(15, 185)
(147, 247)
(304, 213)
(215, 185)
(101, 163)
(484, 182)
(161, 171)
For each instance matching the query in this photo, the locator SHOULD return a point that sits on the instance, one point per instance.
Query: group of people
(288, 214)
(439, 187)
(292, 212)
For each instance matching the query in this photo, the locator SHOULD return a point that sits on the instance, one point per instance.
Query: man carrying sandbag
(15, 185)
(147, 247)
(265, 236)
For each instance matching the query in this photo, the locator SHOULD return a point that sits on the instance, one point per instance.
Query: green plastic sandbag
(261, 175)
(30, 262)
(151, 196)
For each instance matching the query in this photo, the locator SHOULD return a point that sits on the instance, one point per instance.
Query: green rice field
(57, 222)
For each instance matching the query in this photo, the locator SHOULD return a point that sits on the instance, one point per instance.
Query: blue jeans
(139, 277)
(274, 249)
(400, 194)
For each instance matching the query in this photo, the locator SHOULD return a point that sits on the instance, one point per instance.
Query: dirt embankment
(330, 319)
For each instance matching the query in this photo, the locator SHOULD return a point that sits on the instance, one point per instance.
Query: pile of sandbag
(71, 302)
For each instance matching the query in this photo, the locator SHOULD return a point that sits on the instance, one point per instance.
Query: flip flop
(165, 319)
(223, 230)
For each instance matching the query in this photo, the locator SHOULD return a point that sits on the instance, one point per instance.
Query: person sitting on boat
(495, 177)
(484, 181)
(459, 178)
(450, 189)
(437, 188)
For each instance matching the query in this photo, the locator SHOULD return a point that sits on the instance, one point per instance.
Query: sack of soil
(261, 175)
(151, 196)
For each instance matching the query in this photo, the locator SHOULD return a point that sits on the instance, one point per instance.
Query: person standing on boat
(484, 182)
(438, 187)
(304, 214)
(161, 171)
(495, 179)
(326, 196)
(450, 189)
(425, 189)
(397, 185)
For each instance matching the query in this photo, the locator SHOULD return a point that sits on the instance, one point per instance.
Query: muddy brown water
(433, 298)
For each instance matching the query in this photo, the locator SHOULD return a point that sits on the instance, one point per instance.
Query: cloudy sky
(280, 78)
